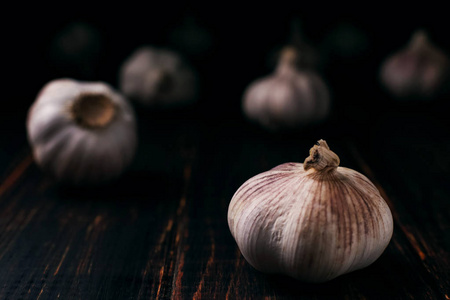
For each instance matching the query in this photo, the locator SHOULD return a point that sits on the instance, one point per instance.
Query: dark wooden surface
(160, 231)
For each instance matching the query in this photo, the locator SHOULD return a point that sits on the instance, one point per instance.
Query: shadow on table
(385, 279)
(134, 188)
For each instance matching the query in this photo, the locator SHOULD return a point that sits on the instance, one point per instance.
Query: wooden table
(161, 232)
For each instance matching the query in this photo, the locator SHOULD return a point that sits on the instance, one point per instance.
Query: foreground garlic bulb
(158, 77)
(81, 132)
(312, 221)
(418, 71)
(288, 98)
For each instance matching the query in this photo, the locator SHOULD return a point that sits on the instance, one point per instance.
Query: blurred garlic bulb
(76, 49)
(191, 37)
(289, 98)
(158, 77)
(81, 132)
(312, 221)
(418, 71)
(345, 41)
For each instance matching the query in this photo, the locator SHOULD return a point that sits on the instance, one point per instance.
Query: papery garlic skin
(81, 132)
(158, 77)
(288, 98)
(418, 71)
(311, 225)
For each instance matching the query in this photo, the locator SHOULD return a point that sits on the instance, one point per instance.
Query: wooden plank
(422, 224)
(114, 241)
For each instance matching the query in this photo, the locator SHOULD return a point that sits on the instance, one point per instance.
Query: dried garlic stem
(93, 110)
(418, 39)
(321, 158)
(289, 56)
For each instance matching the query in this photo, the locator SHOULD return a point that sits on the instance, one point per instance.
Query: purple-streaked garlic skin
(158, 77)
(418, 71)
(308, 224)
(74, 153)
(288, 98)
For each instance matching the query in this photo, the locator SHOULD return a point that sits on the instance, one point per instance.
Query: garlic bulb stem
(321, 158)
(91, 110)
(418, 39)
(289, 56)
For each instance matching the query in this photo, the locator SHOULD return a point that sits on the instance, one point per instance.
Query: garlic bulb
(158, 77)
(81, 132)
(418, 71)
(76, 49)
(345, 41)
(312, 221)
(191, 37)
(288, 98)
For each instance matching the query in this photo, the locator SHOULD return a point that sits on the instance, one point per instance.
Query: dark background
(243, 38)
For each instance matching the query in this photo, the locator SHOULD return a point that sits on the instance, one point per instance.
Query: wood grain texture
(161, 232)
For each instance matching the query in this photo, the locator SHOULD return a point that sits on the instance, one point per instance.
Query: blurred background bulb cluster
(228, 48)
